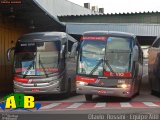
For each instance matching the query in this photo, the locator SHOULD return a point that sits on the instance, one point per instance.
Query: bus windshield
(91, 53)
(118, 54)
(36, 58)
(97, 56)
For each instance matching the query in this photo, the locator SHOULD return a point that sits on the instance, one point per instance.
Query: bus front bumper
(53, 88)
(117, 92)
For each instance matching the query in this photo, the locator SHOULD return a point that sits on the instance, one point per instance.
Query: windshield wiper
(97, 65)
(29, 67)
(109, 66)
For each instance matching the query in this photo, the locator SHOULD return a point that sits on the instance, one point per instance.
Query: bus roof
(108, 33)
(46, 36)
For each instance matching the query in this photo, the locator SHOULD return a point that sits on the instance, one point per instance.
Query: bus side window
(65, 50)
(156, 43)
(135, 53)
(140, 53)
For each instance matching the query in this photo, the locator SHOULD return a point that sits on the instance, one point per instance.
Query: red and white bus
(109, 64)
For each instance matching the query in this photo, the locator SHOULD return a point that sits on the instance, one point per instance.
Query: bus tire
(68, 92)
(88, 97)
(156, 93)
(152, 92)
(138, 93)
(139, 88)
(128, 98)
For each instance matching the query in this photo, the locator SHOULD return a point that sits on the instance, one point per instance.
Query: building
(145, 26)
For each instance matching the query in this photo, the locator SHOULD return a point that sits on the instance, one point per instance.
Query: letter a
(10, 102)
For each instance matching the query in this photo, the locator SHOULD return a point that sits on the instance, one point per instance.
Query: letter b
(29, 102)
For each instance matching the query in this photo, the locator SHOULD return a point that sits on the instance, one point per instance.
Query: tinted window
(156, 43)
(119, 43)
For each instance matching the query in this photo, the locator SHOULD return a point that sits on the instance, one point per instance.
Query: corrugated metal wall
(153, 18)
(9, 32)
(138, 29)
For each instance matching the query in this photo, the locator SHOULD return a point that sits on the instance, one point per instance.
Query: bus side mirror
(9, 54)
(74, 50)
(135, 53)
(62, 51)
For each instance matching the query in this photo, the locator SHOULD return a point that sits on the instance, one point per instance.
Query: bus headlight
(124, 86)
(81, 83)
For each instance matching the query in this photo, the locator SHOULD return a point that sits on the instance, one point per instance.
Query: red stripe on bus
(120, 74)
(103, 38)
(85, 79)
(19, 79)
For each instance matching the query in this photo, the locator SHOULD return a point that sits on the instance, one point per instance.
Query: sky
(120, 6)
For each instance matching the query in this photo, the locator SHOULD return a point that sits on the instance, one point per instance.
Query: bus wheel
(68, 93)
(152, 92)
(127, 99)
(139, 86)
(88, 97)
